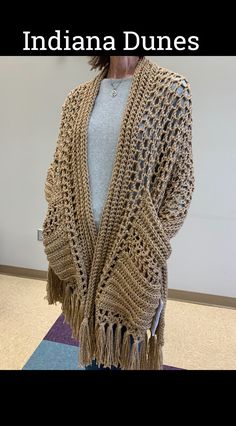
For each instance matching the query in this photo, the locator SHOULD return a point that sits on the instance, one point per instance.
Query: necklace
(114, 88)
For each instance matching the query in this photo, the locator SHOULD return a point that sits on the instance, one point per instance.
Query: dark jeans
(94, 366)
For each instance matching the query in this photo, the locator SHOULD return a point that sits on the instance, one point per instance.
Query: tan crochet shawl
(111, 280)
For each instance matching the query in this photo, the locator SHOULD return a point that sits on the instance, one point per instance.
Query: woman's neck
(122, 66)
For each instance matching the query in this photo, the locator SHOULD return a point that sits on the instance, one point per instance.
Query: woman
(118, 189)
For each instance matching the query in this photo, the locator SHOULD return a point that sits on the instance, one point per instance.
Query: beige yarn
(112, 279)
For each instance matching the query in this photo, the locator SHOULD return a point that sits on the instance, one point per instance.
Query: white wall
(32, 92)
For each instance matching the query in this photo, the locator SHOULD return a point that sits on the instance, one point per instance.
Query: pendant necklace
(114, 88)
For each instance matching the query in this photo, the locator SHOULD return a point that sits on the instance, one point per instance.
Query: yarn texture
(110, 281)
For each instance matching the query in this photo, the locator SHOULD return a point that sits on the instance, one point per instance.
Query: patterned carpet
(58, 350)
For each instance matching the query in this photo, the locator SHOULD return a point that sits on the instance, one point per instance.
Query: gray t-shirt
(103, 132)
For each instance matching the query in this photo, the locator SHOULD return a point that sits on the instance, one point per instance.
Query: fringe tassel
(125, 351)
(160, 357)
(109, 347)
(55, 288)
(74, 314)
(151, 351)
(117, 345)
(80, 312)
(144, 353)
(154, 354)
(100, 341)
(77, 319)
(66, 304)
(85, 351)
(71, 308)
(72, 311)
(134, 361)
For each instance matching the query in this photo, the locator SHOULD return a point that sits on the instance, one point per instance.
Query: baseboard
(34, 274)
(179, 295)
(202, 298)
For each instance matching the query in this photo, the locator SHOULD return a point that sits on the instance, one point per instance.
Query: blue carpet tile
(59, 351)
(53, 356)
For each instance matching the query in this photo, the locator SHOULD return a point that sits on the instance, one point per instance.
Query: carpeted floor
(32, 335)
(58, 350)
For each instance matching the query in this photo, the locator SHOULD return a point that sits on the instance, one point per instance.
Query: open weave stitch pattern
(110, 281)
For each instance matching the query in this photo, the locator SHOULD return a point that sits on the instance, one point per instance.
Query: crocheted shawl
(110, 282)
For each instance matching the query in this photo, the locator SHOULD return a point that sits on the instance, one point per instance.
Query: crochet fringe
(111, 348)
(101, 342)
(117, 345)
(134, 361)
(155, 355)
(85, 350)
(144, 353)
(55, 288)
